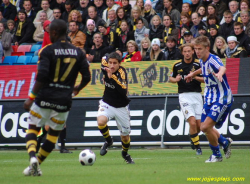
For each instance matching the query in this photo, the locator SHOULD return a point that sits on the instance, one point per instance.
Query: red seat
(17, 53)
(14, 48)
(24, 48)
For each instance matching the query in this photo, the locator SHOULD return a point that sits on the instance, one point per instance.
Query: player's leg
(104, 129)
(194, 134)
(48, 145)
(125, 147)
(43, 132)
(62, 137)
(105, 112)
(212, 135)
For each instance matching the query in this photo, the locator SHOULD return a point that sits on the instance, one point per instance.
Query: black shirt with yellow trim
(58, 67)
(182, 68)
(116, 87)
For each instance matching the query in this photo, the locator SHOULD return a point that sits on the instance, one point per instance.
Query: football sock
(47, 147)
(215, 150)
(63, 138)
(105, 132)
(196, 140)
(31, 142)
(40, 138)
(223, 141)
(125, 145)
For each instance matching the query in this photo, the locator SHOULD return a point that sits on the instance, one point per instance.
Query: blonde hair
(156, 16)
(143, 52)
(224, 47)
(202, 40)
(154, 54)
(136, 8)
(133, 43)
(79, 16)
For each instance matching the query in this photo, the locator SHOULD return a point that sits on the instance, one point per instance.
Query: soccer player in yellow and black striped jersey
(190, 98)
(114, 104)
(58, 67)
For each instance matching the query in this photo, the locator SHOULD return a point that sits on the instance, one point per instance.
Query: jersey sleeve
(43, 66)
(120, 81)
(216, 63)
(173, 72)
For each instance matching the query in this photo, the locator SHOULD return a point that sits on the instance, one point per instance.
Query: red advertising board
(16, 81)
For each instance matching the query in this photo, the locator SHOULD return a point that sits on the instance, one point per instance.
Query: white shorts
(121, 115)
(39, 116)
(191, 104)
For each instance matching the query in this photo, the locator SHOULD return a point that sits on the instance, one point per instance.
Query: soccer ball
(87, 157)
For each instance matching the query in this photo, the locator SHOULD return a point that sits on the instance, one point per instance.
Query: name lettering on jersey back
(65, 52)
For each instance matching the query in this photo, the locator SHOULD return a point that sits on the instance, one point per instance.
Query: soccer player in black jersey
(190, 98)
(114, 104)
(58, 66)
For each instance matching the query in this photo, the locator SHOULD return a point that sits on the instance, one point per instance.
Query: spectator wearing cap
(169, 29)
(98, 50)
(242, 38)
(133, 52)
(171, 52)
(89, 32)
(8, 10)
(156, 54)
(220, 46)
(196, 19)
(226, 29)
(140, 32)
(46, 37)
(234, 9)
(245, 18)
(111, 5)
(169, 9)
(108, 36)
(234, 50)
(187, 36)
(77, 37)
(183, 29)
(202, 30)
(213, 33)
(149, 12)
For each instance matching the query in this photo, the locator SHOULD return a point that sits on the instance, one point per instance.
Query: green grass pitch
(152, 166)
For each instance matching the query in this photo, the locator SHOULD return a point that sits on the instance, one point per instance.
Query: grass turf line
(152, 167)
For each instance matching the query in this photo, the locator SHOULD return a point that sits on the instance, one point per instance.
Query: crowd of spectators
(147, 31)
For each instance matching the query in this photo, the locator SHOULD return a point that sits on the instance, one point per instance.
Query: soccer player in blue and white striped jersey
(217, 98)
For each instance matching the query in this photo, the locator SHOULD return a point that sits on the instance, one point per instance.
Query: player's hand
(178, 78)
(90, 58)
(108, 72)
(189, 77)
(75, 91)
(218, 76)
(27, 104)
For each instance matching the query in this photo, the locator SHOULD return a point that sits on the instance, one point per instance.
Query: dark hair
(212, 16)
(213, 7)
(92, 7)
(22, 11)
(57, 9)
(171, 38)
(59, 26)
(202, 5)
(238, 24)
(114, 55)
(139, 19)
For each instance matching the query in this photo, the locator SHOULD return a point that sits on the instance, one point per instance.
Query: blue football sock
(223, 141)
(216, 150)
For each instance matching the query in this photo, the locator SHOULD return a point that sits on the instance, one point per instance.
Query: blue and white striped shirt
(215, 91)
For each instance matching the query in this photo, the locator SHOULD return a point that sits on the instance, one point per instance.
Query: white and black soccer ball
(87, 157)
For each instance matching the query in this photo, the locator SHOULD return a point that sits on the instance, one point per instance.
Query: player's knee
(125, 138)
(102, 120)
(204, 128)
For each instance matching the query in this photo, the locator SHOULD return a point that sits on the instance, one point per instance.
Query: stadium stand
(23, 60)
(9, 60)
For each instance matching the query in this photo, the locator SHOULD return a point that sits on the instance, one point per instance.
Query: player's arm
(222, 71)
(174, 77)
(191, 75)
(86, 76)
(41, 78)
(199, 78)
